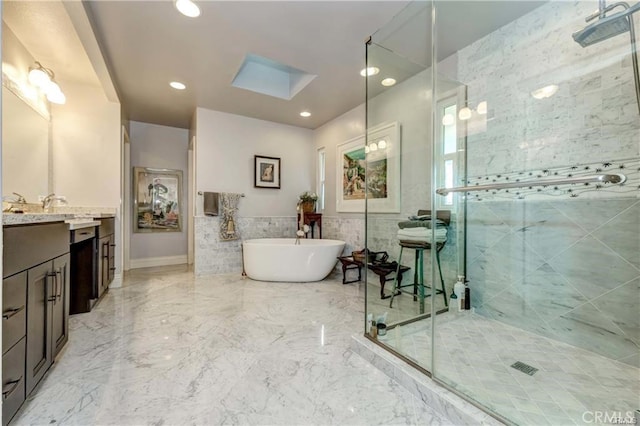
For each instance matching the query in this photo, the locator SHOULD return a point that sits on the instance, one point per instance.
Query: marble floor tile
(474, 354)
(174, 349)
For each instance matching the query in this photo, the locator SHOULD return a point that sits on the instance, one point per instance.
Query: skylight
(269, 77)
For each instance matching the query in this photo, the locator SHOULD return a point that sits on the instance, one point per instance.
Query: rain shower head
(606, 27)
(603, 29)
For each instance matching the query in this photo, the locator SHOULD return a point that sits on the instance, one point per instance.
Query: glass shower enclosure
(503, 177)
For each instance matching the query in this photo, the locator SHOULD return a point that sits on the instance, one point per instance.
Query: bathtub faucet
(301, 233)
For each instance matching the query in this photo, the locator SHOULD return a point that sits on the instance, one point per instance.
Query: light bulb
(388, 81)
(366, 72)
(482, 108)
(382, 144)
(448, 120)
(51, 87)
(464, 114)
(188, 8)
(39, 78)
(56, 97)
(177, 85)
(366, 149)
(373, 146)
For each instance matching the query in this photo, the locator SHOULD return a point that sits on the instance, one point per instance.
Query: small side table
(312, 219)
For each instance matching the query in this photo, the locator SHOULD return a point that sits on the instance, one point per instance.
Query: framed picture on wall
(376, 165)
(266, 172)
(157, 194)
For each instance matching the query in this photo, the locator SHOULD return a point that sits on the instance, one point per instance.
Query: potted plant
(308, 201)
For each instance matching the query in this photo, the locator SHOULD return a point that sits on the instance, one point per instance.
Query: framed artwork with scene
(369, 168)
(157, 198)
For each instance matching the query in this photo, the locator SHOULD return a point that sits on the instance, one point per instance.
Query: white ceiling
(147, 44)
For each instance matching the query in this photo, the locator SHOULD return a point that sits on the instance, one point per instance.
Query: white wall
(226, 145)
(85, 135)
(408, 103)
(341, 129)
(164, 147)
(86, 147)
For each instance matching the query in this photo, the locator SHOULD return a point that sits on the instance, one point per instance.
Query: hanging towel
(211, 203)
(228, 224)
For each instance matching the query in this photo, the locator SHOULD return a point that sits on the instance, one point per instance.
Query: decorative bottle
(458, 290)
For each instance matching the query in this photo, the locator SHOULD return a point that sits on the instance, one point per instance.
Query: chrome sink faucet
(21, 199)
(46, 202)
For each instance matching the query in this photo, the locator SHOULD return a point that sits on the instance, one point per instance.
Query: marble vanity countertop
(60, 214)
(28, 218)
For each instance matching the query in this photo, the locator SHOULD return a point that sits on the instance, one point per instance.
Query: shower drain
(525, 368)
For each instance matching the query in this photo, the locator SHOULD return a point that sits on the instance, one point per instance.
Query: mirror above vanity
(25, 149)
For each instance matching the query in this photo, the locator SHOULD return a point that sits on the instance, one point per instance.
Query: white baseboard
(117, 281)
(158, 261)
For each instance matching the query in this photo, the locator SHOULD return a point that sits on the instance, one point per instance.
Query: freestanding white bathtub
(280, 259)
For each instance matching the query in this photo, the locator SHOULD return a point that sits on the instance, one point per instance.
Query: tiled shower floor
(474, 355)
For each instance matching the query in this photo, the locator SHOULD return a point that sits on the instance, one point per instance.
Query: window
(447, 149)
(321, 178)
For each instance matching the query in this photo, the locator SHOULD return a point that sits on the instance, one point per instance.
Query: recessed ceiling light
(177, 85)
(305, 114)
(388, 81)
(366, 72)
(188, 8)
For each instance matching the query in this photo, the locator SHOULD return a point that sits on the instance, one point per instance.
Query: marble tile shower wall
(565, 269)
(593, 117)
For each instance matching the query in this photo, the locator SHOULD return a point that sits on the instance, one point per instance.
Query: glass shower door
(545, 186)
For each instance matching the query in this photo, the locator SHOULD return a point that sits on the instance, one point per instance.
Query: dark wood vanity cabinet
(35, 319)
(106, 255)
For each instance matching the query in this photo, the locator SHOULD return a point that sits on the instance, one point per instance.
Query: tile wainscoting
(213, 256)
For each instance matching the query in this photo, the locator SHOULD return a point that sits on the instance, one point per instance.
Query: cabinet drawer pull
(112, 245)
(53, 275)
(11, 312)
(9, 387)
(59, 285)
(112, 269)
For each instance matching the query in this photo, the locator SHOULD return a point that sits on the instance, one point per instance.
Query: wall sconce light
(464, 113)
(545, 92)
(382, 144)
(448, 120)
(42, 78)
